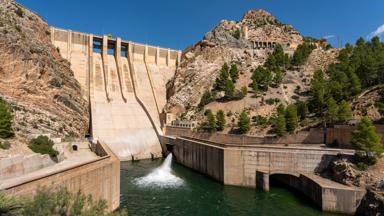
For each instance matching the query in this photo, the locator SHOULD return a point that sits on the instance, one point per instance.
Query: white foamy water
(160, 177)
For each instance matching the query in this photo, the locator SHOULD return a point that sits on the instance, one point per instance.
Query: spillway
(124, 83)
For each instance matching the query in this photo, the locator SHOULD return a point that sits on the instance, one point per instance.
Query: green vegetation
(221, 81)
(365, 138)
(345, 111)
(244, 123)
(301, 54)
(236, 34)
(220, 120)
(302, 110)
(207, 98)
(261, 121)
(291, 118)
(380, 103)
(281, 128)
(61, 202)
(234, 73)
(261, 78)
(331, 111)
(6, 130)
(211, 122)
(43, 145)
(5, 145)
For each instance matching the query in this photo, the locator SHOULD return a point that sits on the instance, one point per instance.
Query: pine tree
(278, 78)
(365, 138)
(5, 121)
(206, 99)
(302, 110)
(318, 92)
(332, 110)
(291, 118)
(229, 89)
(211, 124)
(244, 123)
(220, 120)
(223, 77)
(234, 73)
(281, 129)
(345, 112)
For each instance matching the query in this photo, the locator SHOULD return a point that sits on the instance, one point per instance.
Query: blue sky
(180, 23)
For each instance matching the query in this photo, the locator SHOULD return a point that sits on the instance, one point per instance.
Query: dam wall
(125, 85)
(99, 177)
(313, 136)
(253, 165)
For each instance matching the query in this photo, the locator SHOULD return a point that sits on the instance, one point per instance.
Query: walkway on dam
(72, 159)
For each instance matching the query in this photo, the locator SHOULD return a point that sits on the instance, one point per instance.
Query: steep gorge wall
(35, 80)
(124, 83)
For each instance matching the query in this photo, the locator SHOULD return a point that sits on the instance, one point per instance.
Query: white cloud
(379, 31)
(328, 36)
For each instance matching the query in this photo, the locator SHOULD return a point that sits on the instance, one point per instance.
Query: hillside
(36, 81)
(232, 42)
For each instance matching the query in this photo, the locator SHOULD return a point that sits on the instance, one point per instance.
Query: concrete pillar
(145, 52)
(130, 51)
(118, 48)
(90, 65)
(69, 45)
(262, 181)
(179, 57)
(52, 29)
(157, 55)
(168, 57)
(104, 57)
(104, 50)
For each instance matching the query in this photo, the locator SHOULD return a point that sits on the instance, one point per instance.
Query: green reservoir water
(190, 193)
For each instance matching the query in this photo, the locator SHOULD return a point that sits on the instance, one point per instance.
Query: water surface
(197, 195)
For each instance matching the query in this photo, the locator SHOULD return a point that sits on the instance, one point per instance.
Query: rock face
(35, 80)
(372, 204)
(233, 43)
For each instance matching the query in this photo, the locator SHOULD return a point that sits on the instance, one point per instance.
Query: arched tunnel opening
(291, 184)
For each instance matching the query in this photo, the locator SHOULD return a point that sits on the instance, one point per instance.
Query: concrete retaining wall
(202, 158)
(332, 197)
(100, 178)
(251, 165)
(341, 136)
(313, 136)
(20, 165)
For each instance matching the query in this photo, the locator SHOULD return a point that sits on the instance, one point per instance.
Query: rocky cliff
(34, 79)
(233, 43)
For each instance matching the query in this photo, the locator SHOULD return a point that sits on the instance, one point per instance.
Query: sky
(178, 24)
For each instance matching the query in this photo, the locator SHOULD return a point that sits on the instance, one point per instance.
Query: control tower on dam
(125, 85)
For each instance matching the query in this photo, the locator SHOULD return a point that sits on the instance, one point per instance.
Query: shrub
(43, 145)
(362, 166)
(270, 101)
(291, 118)
(207, 98)
(19, 11)
(244, 123)
(5, 145)
(280, 125)
(368, 143)
(5, 121)
(220, 120)
(60, 202)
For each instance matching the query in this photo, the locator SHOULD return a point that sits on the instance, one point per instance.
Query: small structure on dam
(124, 83)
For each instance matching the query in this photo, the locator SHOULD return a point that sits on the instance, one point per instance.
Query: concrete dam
(125, 85)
